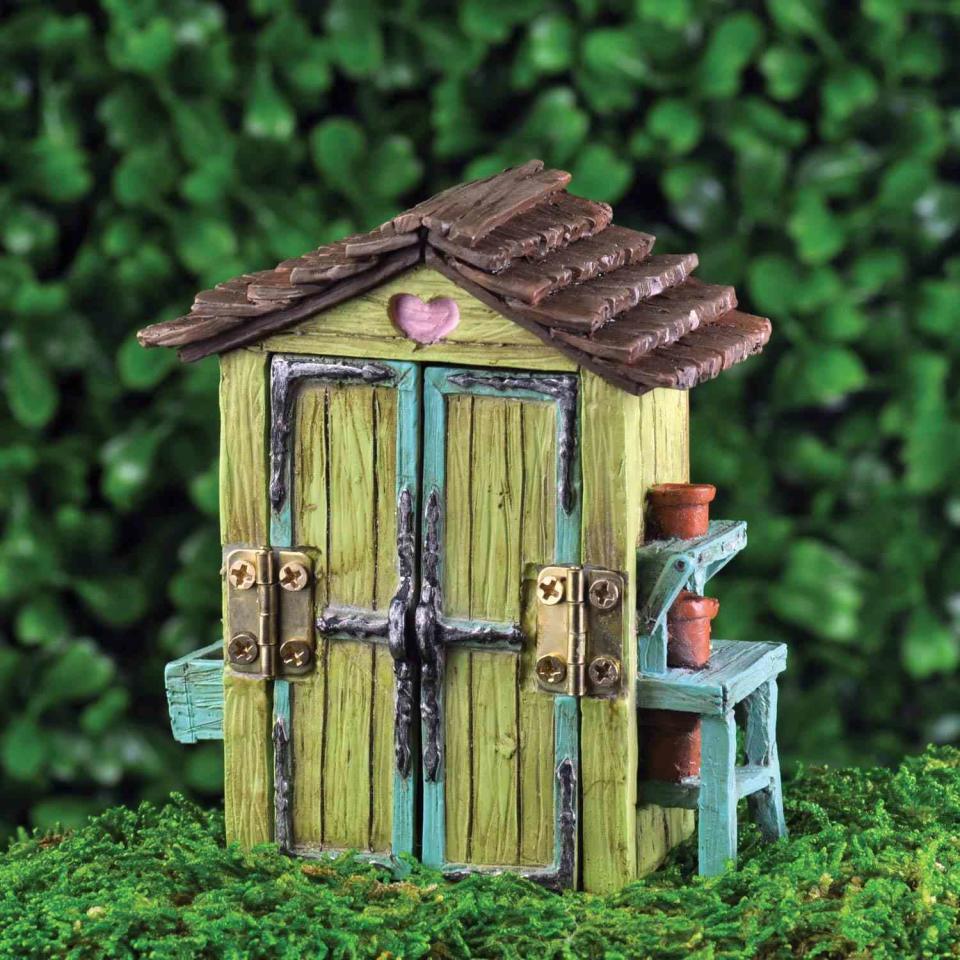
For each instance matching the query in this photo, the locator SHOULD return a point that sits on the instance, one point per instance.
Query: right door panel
(501, 494)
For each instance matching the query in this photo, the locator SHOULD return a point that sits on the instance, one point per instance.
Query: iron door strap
(428, 641)
(403, 670)
(391, 630)
(435, 632)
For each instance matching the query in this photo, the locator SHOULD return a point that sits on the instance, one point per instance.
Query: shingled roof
(550, 261)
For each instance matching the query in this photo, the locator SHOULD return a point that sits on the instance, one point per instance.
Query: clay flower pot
(671, 745)
(688, 630)
(680, 510)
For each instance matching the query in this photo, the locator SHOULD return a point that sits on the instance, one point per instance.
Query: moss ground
(871, 870)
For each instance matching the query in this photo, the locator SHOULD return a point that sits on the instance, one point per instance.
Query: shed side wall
(628, 443)
(248, 779)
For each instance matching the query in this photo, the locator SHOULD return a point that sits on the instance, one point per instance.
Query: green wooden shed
(441, 614)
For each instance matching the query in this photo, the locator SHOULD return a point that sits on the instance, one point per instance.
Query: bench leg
(766, 806)
(717, 829)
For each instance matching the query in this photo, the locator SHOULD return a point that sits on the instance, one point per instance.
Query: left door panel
(344, 454)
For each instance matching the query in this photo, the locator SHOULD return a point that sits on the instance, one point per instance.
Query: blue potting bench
(740, 683)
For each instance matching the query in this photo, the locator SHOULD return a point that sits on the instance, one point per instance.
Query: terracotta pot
(670, 745)
(688, 630)
(680, 510)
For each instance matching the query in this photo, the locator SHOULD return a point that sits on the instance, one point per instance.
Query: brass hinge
(269, 617)
(580, 631)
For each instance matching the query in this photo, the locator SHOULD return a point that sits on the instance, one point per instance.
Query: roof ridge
(518, 241)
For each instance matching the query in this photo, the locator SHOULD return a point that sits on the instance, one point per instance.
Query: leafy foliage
(871, 869)
(150, 149)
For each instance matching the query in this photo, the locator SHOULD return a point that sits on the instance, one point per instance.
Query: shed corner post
(244, 518)
(612, 483)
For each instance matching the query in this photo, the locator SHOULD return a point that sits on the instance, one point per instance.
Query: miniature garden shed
(444, 624)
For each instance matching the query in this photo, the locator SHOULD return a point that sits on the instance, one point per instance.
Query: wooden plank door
(344, 453)
(501, 494)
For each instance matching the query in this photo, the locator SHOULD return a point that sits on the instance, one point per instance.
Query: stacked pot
(671, 739)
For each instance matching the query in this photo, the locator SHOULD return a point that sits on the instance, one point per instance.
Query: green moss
(871, 870)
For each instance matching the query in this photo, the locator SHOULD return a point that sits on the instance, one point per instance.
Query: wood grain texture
(495, 505)
(243, 454)
(718, 795)
(310, 525)
(346, 746)
(493, 696)
(194, 685)
(350, 582)
(362, 328)
(467, 212)
(610, 457)
(344, 489)
(247, 707)
(657, 322)
(381, 749)
(588, 306)
(500, 515)
(628, 443)
(536, 712)
(760, 747)
(351, 478)
(531, 281)
(248, 759)
(560, 220)
(702, 354)
(307, 723)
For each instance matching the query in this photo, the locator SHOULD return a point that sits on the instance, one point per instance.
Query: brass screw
(293, 576)
(550, 589)
(242, 574)
(295, 652)
(242, 648)
(604, 672)
(604, 593)
(552, 669)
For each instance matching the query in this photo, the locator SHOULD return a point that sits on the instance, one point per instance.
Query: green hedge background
(807, 150)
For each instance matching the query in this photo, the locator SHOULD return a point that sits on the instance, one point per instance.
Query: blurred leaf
(614, 55)
(551, 43)
(79, 672)
(394, 168)
(787, 70)
(204, 770)
(847, 91)
(119, 600)
(142, 369)
(127, 460)
(268, 116)
(816, 231)
(730, 48)
(355, 36)
(600, 174)
(928, 647)
(31, 391)
(677, 123)
(41, 621)
(23, 749)
(338, 146)
(820, 377)
(819, 591)
(774, 283)
(65, 812)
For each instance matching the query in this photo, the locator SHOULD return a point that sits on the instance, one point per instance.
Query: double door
(427, 496)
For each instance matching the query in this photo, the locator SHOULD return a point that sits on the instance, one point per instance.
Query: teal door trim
(288, 373)
(434, 631)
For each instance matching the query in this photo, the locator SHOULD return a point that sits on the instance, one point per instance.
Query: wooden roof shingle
(552, 262)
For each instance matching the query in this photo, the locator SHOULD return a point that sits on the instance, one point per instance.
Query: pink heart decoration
(423, 322)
